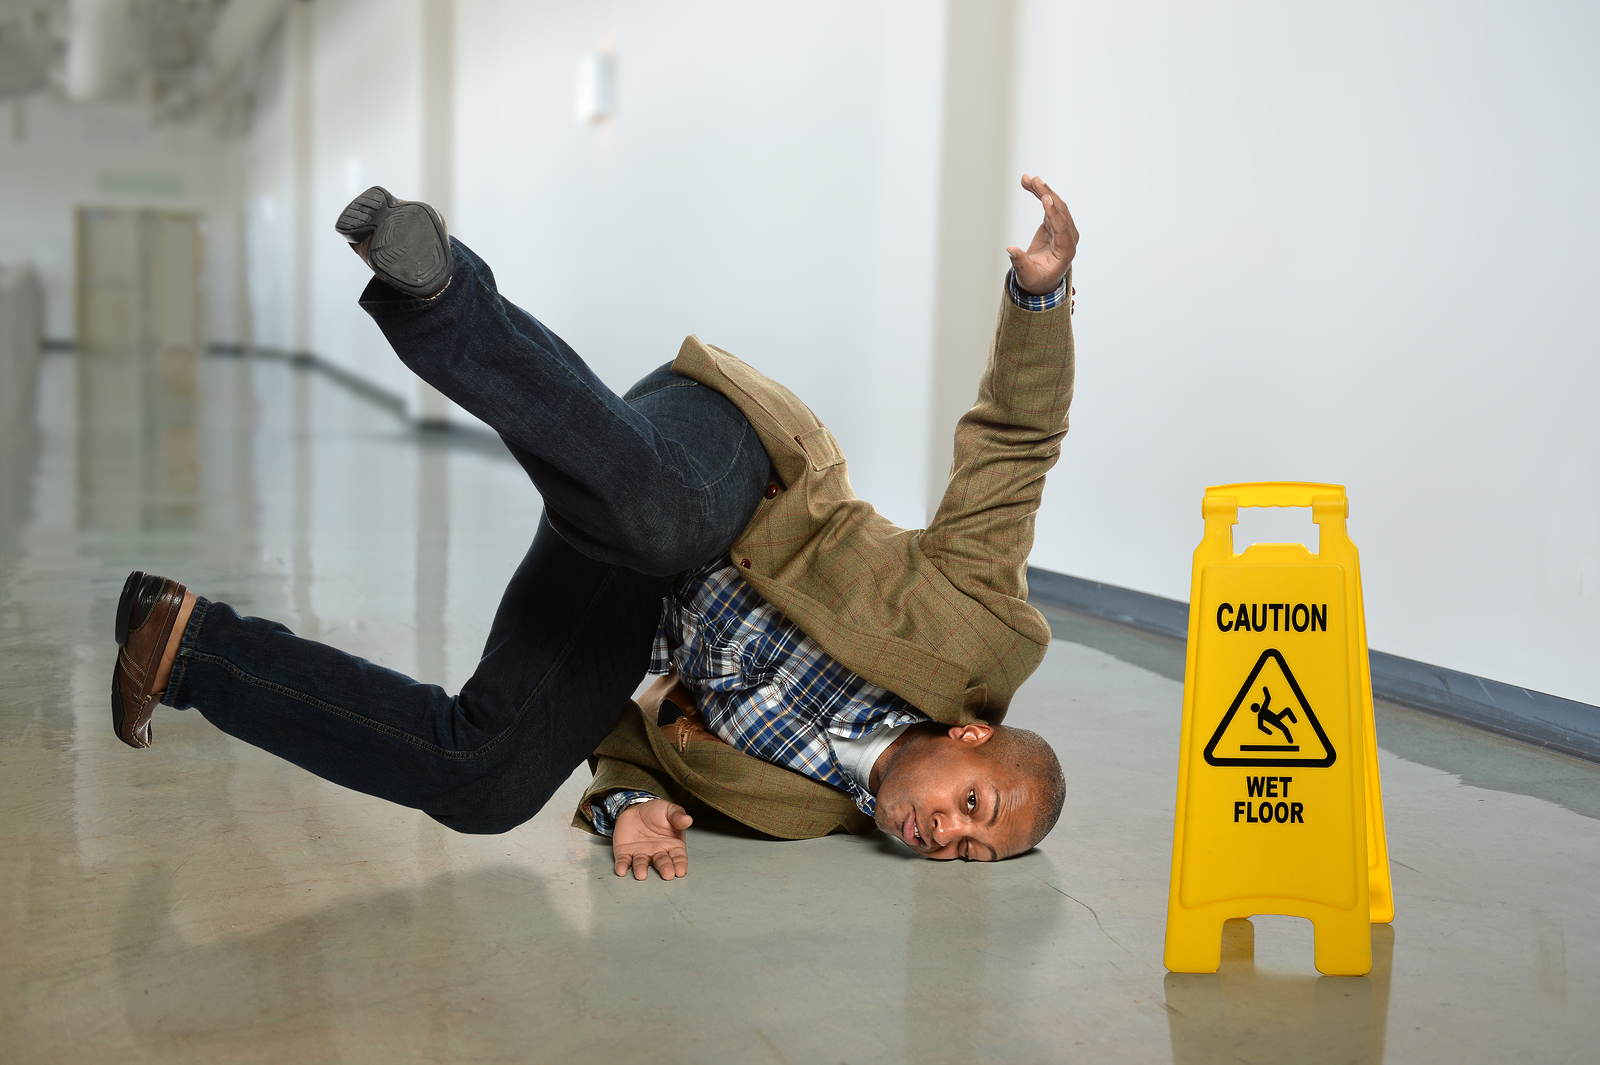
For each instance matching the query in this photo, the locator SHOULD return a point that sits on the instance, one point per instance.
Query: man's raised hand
(651, 833)
(1040, 268)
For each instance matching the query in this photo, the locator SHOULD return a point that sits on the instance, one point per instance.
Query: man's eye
(972, 802)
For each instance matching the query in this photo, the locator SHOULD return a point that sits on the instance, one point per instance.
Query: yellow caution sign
(1279, 809)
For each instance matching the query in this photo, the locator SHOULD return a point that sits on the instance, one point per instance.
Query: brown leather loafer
(145, 616)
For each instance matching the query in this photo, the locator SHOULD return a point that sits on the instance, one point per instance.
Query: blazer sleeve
(708, 774)
(1004, 445)
(625, 761)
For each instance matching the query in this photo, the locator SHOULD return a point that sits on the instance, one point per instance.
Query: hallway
(203, 902)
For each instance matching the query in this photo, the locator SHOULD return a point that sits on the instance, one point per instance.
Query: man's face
(946, 799)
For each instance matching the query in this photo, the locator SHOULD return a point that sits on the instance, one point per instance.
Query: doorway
(139, 339)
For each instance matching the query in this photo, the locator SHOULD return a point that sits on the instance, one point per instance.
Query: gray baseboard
(472, 438)
(381, 397)
(1548, 721)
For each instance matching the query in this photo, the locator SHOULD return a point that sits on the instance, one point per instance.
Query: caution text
(1273, 617)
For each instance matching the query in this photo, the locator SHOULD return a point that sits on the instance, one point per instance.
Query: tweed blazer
(939, 616)
(708, 773)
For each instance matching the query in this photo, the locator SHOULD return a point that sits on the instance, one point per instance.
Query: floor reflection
(138, 445)
(443, 944)
(433, 559)
(300, 563)
(977, 931)
(204, 902)
(1240, 1014)
(19, 449)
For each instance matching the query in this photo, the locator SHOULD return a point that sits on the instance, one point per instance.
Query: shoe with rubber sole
(403, 241)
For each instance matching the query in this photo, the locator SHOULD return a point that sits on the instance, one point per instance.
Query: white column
(433, 409)
(438, 148)
(971, 259)
(301, 146)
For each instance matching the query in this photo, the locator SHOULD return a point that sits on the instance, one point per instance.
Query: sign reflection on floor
(1239, 1014)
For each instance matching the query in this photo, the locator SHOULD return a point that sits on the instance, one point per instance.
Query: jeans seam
(580, 383)
(349, 715)
(390, 730)
(562, 365)
(733, 462)
(705, 491)
(654, 391)
(566, 652)
(186, 652)
(378, 308)
(733, 459)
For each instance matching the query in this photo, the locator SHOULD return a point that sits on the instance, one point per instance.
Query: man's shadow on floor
(404, 967)
(464, 963)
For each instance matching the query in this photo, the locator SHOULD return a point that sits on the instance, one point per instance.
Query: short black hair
(1036, 760)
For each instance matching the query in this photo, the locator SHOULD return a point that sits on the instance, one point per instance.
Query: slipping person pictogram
(1264, 714)
(1236, 740)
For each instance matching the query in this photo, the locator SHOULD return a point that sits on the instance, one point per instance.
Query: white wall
(1350, 243)
(364, 70)
(267, 188)
(768, 183)
(367, 115)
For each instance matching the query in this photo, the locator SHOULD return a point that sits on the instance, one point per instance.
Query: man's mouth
(911, 832)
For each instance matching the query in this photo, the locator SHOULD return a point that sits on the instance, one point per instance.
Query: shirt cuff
(604, 811)
(1029, 302)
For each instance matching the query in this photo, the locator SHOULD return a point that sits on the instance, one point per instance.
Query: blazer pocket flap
(820, 447)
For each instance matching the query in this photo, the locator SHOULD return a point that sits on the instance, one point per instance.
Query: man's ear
(974, 735)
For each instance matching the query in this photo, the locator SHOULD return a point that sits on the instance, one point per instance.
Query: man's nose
(946, 827)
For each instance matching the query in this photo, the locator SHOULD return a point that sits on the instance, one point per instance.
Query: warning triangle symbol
(1270, 723)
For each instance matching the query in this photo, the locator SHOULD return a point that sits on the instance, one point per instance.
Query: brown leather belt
(672, 707)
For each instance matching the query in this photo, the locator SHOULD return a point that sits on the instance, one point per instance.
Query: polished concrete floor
(202, 902)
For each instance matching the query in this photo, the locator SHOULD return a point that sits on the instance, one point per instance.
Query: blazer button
(772, 491)
(745, 562)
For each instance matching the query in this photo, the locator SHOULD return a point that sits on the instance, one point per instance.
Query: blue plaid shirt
(1028, 301)
(763, 685)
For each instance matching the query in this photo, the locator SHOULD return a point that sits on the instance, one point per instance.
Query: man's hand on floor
(1041, 267)
(651, 833)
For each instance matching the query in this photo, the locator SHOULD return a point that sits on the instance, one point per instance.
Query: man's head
(980, 792)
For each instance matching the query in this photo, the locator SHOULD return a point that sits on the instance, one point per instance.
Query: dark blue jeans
(636, 489)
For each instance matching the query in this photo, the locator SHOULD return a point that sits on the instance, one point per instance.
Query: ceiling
(182, 58)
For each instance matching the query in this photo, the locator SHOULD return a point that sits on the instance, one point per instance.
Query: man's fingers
(1060, 218)
(1072, 227)
(1045, 193)
(665, 865)
(671, 860)
(1065, 216)
(1036, 185)
(1058, 233)
(672, 817)
(1055, 209)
